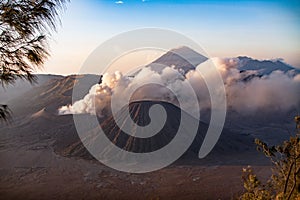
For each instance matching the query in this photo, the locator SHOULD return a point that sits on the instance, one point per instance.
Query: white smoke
(99, 95)
(278, 91)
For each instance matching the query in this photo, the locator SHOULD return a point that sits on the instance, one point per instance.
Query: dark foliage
(285, 180)
(25, 26)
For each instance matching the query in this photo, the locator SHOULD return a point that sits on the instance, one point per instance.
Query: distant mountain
(185, 59)
(182, 58)
(52, 94)
(264, 67)
(21, 86)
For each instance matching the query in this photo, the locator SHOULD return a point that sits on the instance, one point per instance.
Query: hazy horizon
(126, 62)
(258, 29)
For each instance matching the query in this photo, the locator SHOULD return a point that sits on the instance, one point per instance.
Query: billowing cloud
(116, 84)
(249, 92)
(246, 91)
(119, 2)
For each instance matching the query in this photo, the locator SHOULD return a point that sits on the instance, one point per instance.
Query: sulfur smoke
(246, 91)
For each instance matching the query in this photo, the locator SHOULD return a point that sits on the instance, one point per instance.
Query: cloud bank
(247, 92)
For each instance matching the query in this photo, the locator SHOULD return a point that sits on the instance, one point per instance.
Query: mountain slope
(229, 146)
(52, 94)
(22, 86)
(264, 67)
(182, 58)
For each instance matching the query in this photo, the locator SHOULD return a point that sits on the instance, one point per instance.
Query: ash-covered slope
(229, 145)
(138, 112)
(35, 121)
(52, 94)
(21, 86)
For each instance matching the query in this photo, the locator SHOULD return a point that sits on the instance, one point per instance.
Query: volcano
(229, 145)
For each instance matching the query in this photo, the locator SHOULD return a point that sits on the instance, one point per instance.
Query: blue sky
(260, 29)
